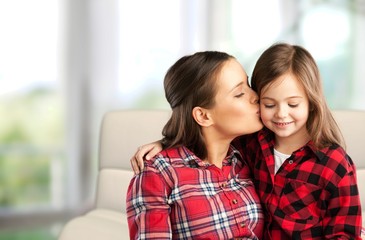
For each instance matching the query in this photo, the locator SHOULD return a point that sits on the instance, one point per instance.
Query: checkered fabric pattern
(313, 195)
(178, 196)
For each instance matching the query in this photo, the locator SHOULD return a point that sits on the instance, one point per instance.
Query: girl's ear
(202, 116)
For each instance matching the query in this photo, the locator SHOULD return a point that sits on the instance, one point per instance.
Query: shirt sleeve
(147, 207)
(343, 215)
(248, 146)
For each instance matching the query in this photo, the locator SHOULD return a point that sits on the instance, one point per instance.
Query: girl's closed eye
(293, 105)
(269, 105)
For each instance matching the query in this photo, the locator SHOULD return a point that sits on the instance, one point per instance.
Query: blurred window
(333, 31)
(32, 124)
(32, 134)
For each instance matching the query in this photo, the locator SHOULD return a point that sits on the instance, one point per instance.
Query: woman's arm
(147, 209)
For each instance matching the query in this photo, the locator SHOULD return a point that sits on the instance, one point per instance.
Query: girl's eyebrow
(269, 98)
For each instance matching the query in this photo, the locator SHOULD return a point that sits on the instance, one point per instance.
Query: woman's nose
(254, 97)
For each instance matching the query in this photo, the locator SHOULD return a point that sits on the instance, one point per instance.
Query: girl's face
(236, 109)
(284, 109)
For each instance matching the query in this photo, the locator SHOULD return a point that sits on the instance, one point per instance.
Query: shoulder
(168, 158)
(334, 153)
(336, 159)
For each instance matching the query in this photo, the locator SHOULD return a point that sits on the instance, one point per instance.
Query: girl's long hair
(284, 58)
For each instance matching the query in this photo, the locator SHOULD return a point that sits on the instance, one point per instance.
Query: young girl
(303, 176)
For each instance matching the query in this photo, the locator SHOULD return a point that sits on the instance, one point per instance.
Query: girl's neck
(288, 145)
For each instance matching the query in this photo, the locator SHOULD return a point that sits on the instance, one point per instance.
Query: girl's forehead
(283, 84)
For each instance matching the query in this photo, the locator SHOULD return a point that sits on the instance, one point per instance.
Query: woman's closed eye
(239, 95)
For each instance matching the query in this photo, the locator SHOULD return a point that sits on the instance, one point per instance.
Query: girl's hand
(144, 152)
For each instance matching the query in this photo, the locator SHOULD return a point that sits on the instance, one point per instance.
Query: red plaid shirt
(178, 196)
(313, 195)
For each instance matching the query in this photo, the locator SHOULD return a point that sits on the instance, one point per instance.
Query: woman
(198, 187)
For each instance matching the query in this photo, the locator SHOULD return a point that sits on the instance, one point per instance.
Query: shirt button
(242, 224)
(290, 161)
(224, 185)
(234, 201)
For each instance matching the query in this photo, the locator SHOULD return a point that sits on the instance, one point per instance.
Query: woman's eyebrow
(236, 86)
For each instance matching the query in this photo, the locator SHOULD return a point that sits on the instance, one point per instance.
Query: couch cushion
(97, 224)
(109, 215)
(352, 127)
(361, 186)
(123, 131)
(112, 189)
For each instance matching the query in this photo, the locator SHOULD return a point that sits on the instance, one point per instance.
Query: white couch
(120, 135)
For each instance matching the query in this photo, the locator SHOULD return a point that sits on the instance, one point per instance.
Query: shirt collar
(266, 135)
(191, 160)
(322, 154)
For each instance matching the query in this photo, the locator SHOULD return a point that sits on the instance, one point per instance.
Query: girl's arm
(144, 152)
(343, 218)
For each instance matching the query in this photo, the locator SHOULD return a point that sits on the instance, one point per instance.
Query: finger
(141, 151)
(135, 166)
(153, 152)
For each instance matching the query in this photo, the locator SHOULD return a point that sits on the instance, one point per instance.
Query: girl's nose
(281, 112)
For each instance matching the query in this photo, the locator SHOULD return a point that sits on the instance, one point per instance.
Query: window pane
(333, 31)
(149, 43)
(31, 129)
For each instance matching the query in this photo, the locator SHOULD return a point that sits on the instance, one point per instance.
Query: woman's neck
(217, 151)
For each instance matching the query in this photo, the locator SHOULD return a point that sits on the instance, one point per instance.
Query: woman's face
(236, 111)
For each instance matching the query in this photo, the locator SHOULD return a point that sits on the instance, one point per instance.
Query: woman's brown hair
(284, 58)
(189, 83)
